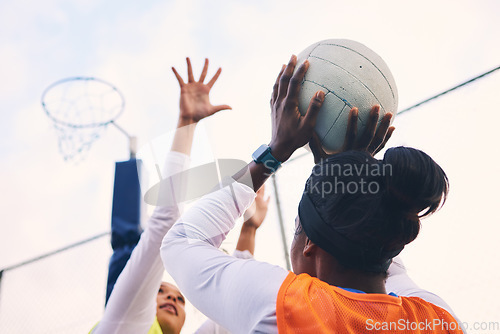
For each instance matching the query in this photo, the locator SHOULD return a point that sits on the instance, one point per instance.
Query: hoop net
(81, 108)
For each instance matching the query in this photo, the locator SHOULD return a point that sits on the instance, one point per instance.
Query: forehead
(170, 287)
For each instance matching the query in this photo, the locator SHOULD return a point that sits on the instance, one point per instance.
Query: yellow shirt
(155, 328)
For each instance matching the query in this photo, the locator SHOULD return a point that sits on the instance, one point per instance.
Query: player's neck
(329, 270)
(166, 329)
(366, 283)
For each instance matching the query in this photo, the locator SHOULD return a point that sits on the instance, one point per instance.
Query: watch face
(263, 155)
(257, 155)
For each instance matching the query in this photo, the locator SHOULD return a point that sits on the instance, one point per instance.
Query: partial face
(170, 308)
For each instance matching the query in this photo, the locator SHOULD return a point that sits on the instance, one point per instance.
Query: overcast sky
(48, 203)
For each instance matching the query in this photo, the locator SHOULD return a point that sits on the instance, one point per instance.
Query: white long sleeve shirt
(131, 308)
(240, 295)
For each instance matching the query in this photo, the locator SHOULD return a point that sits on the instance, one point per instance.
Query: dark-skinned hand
(291, 130)
(372, 140)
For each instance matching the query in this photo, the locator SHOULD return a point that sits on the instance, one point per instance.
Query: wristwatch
(263, 155)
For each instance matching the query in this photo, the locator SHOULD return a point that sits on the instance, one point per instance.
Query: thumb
(219, 108)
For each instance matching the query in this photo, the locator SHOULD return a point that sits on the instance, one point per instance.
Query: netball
(351, 75)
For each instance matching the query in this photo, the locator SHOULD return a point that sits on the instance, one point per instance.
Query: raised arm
(291, 130)
(194, 105)
(253, 219)
(238, 294)
(132, 304)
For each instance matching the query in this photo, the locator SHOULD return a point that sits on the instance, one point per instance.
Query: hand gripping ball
(351, 75)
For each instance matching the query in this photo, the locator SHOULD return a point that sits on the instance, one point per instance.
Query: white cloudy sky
(48, 203)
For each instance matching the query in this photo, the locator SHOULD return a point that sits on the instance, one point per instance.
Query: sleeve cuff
(245, 255)
(175, 162)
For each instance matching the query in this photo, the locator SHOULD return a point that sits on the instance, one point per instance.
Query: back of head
(416, 188)
(367, 210)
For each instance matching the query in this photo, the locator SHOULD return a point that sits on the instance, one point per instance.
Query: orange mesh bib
(309, 305)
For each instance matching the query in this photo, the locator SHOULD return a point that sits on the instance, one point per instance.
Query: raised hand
(372, 140)
(194, 101)
(291, 130)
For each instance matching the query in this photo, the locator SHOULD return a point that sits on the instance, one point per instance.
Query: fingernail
(292, 57)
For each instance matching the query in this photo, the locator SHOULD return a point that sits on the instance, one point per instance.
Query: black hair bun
(416, 182)
(415, 187)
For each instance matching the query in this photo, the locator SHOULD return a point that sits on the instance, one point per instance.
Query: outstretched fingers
(179, 78)
(214, 78)
(190, 70)
(204, 71)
